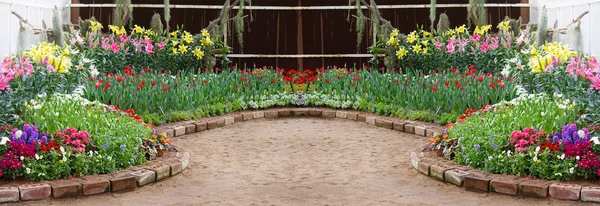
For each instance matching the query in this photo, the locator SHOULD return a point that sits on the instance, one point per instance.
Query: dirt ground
(300, 161)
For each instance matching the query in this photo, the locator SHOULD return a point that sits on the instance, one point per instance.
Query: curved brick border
(128, 179)
(428, 163)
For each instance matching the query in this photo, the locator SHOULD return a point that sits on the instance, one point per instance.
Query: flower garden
(90, 105)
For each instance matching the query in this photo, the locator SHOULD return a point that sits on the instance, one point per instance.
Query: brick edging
(429, 164)
(128, 179)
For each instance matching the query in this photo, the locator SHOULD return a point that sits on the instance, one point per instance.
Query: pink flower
(4, 83)
(484, 47)
(124, 38)
(475, 38)
(114, 47)
(450, 47)
(438, 45)
(162, 45)
(149, 48)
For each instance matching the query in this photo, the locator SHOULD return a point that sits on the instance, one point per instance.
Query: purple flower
(122, 147)
(105, 145)
(477, 147)
(494, 145)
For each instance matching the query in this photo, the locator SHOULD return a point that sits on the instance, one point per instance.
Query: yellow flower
(450, 32)
(149, 32)
(425, 51)
(138, 29)
(113, 28)
(174, 50)
(121, 31)
(66, 52)
(174, 34)
(198, 53)
(479, 31)
(95, 26)
(401, 53)
(29, 106)
(416, 48)
(60, 161)
(533, 52)
(424, 42)
(539, 161)
(503, 25)
(207, 42)
(426, 34)
(183, 48)
(461, 29)
(175, 43)
(395, 33)
(205, 33)
(188, 38)
(486, 28)
(392, 42)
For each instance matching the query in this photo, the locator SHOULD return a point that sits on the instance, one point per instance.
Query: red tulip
(446, 83)
(153, 83)
(352, 85)
(273, 81)
(247, 85)
(165, 89)
(394, 81)
(434, 89)
(119, 79)
(205, 81)
(327, 81)
(480, 79)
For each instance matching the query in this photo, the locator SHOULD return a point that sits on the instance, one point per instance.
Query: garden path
(300, 161)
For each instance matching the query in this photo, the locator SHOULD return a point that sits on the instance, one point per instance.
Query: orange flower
(450, 125)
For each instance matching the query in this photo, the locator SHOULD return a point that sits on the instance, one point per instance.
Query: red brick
(352, 116)
(507, 186)
(201, 126)
(537, 189)
(409, 128)
(385, 123)
(144, 177)
(271, 114)
(399, 126)
(455, 176)
(341, 114)
(62, 189)
(285, 113)
(437, 171)
(9, 194)
(176, 168)
(258, 115)
(362, 117)
(315, 113)
(590, 194)
(420, 130)
(328, 114)
(35, 191)
(247, 116)
(95, 186)
(238, 118)
(564, 191)
(424, 167)
(190, 128)
(121, 184)
(162, 172)
(212, 124)
(476, 183)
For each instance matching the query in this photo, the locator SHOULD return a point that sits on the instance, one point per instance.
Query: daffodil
(416, 48)
(182, 48)
(461, 29)
(392, 42)
(401, 53)
(198, 53)
(138, 29)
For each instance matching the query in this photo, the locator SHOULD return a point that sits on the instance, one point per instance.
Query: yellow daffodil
(198, 53)
(174, 34)
(205, 33)
(392, 42)
(207, 42)
(95, 26)
(182, 48)
(426, 34)
(395, 33)
(416, 48)
(138, 29)
(461, 29)
(401, 53)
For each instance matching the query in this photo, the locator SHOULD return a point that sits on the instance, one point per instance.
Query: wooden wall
(301, 32)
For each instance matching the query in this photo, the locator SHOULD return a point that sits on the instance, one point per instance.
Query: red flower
(394, 81)
(119, 79)
(192, 80)
(358, 71)
(365, 66)
(492, 86)
(434, 89)
(100, 81)
(273, 81)
(327, 81)
(205, 81)
(453, 70)
(153, 83)
(247, 85)
(234, 66)
(97, 86)
(499, 80)
(352, 85)
(106, 86)
(502, 86)
(446, 83)
(480, 79)
(407, 79)
(128, 67)
(165, 89)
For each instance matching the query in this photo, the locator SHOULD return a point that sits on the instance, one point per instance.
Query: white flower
(64, 159)
(577, 157)
(62, 149)
(490, 158)
(535, 159)
(561, 106)
(37, 157)
(571, 170)
(22, 158)
(561, 157)
(595, 140)
(508, 153)
(559, 95)
(537, 149)
(27, 170)
(18, 134)
(56, 114)
(4, 140)
(543, 114)
(581, 133)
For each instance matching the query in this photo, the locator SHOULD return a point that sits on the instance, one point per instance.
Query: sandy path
(301, 161)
